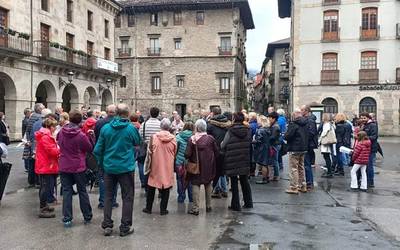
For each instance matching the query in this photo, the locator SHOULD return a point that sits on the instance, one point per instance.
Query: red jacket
(361, 152)
(47, 153)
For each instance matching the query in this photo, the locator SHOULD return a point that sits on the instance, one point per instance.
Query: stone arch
(330, 105)
(8, 103)
(106, 99)
(368, 104)
(46, 94)
(90, 98)
(70, 98)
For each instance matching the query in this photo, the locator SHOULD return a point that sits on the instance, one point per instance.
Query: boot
(44, 213)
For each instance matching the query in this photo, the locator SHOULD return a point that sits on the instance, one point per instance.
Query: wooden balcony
(329, 77)
(225, 51)
(330, 37)
(14, 46)
(154, 51)
(369, 34)
(331, 2)
(369, 76)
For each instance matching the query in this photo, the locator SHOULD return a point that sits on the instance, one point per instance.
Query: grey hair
(296, 113)
(123, 110)
(38, 108)
(45, 112)
(200, 126)
(165, 124)
(111, 109)
(281, 111)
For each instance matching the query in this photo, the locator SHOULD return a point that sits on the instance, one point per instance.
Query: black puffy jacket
(236, 150)
(217, 127)
(297, 135)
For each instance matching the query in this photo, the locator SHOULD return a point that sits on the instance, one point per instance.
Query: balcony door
(70, 44)
(369, 23)
(3, 24)
(45, 38)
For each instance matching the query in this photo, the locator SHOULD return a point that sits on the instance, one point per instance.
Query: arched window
(122, 82)
(368, 105)
(330, 106)
(369, 23)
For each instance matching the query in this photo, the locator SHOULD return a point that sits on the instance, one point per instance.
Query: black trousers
(246, 190)
(45, 189)
(33, 179)
(328, 162)
(151, 191)
(127, 183)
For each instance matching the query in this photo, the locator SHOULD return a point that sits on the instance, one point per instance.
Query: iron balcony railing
(122, 52)
(225, 50)
(154, 51)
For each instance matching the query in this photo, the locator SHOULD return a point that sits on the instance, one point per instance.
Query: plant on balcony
(25, 36)
(74, 51)
(82, 53)
(10, 31)
(54, 45)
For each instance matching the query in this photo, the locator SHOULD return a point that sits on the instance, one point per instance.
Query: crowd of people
(211, 149)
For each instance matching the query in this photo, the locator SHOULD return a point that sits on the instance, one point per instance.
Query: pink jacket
(162, 162)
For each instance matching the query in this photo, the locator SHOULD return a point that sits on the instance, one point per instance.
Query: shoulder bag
(329, 138)
(147, 161)
(141, 157)
(194, 167)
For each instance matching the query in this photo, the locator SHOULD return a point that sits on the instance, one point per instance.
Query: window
(89, 47)
(154, 46)
(368, 105)
(107, 55)
(369, 60)
(178, 43)
(224, 85)
(369, 24)
(330, 106)
(154, 19)
(124, 50)
(70, 10)
(180, 81)
(106, 28)
(45, 5)
(331, 29)
(117, 21)
(178, 18)
(226, 43)
(122, 82)
(90, 20)
(156, 84)
(200, 17)
(131, 20)
(329, 61)
(70, 44)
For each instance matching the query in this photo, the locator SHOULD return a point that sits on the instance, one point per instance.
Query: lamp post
(62, 83)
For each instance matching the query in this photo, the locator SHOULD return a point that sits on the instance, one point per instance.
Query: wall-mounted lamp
(62, 83)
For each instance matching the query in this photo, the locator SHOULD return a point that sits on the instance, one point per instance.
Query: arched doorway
(368, 105)
(330, 105)
(106, 99)
(8, 96)
(46, 94)
(90, 98)
(70, 98)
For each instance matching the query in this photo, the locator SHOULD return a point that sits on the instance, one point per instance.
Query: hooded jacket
(47, 152)
(182, 140)
(361, 152)
(163, 148)
(89, 124)
(217, 127)
(74, 144)
(261, 146)
(371, 128)
(297, 135)
(312, 132)
(115, 149)
(236, 150)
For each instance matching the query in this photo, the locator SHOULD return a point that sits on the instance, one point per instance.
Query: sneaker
(87, 221)
(303, 189)
(46, 214)
(126, 233)
(147, 211)
(224, 194)
(248, 206)
(263, 181)
(208, 210)
(216, 195)
(235, 209)
(353, 190)
(67, 224)
(108, 231)
(164, 212)
(192, 212)
(49, 209)
(292, 191)
(115, 205)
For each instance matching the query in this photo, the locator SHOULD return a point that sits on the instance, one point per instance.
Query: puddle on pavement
(355, 221)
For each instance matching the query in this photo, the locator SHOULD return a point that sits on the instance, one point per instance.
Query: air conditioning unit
(398, 31)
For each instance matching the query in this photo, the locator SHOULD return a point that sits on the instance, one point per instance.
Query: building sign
(377, 87)
(107, 65)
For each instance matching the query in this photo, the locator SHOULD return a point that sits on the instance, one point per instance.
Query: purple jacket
(74, 145)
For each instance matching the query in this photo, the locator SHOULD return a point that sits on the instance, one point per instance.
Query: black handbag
(284, 149)
(142, 149)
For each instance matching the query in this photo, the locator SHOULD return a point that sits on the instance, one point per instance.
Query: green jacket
(182, 140)
(115, 148)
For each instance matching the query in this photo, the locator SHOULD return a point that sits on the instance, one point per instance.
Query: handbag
(142, 149)
(147, 161)
(194, 167)
(329, 138)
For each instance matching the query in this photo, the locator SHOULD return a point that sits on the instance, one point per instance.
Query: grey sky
(269, 28)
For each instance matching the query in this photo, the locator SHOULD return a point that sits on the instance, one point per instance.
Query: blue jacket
(182, 140)
(262, 145)
(253, 126)
(282, 123)
(115, 149)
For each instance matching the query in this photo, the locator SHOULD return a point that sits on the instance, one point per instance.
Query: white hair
(45, 112)
(281, 111)
(165, 124)
(200, 126)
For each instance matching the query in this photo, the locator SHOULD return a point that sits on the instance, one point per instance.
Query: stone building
(180, 54)
(57, 52)
(345, 55)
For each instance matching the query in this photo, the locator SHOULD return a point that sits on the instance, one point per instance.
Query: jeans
(53, 189)
(102, 189)
(277, 148)
(32, 177)
(44, 189)
(340, 160)
(246, 190)
(280, 162)
(26, 164)
(196, 196)
(151, 191)
(142, 177)
(221, 185)
(328, 162)
(370, 169)
(354, 179)
(308, 168)
(67, 181)
(182, 191)
(127, 183)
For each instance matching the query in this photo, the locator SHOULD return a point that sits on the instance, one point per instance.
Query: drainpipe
(31, 102)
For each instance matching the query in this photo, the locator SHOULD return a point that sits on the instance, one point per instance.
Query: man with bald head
(115, 152)
(110, 110)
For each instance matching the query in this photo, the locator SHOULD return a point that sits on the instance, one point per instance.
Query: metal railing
(225, 50)
(124, 52)
(329, 77)
(14, 43)
(153, 51)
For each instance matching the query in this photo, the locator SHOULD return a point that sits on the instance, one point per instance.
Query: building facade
(183, 54)
(58, 53)
(345, 56)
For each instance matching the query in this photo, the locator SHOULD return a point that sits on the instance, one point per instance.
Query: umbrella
(4, 173)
